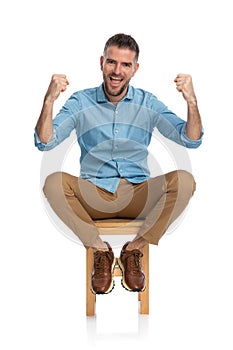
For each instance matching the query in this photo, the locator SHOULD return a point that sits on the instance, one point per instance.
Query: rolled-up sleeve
(45, 146)
(187, 142)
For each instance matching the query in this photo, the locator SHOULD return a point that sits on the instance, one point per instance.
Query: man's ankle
(137, 243)
(100, 245)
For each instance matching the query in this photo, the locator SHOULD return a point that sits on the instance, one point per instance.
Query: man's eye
(127, 65)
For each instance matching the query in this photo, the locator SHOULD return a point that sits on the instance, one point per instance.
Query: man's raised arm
(194, 125)
(44, 126)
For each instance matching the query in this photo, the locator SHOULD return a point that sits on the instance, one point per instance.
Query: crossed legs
(159, 201)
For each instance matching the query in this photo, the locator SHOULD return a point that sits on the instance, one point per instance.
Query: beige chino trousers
(159, 201)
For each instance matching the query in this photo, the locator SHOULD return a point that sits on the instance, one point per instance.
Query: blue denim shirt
(114, 139)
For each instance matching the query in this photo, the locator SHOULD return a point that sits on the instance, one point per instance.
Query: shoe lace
(134, 262)
(101, 262)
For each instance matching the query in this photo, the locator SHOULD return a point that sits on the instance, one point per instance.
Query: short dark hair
(123, 41)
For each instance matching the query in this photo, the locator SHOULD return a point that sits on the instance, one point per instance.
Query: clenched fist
(57, 85)
(184, 85)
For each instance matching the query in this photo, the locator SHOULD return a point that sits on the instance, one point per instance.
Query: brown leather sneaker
(133, 276)
(102, 280)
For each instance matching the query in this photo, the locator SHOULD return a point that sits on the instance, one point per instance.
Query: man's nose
(117, 68)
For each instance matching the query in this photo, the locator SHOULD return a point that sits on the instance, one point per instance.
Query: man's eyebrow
(112, 60)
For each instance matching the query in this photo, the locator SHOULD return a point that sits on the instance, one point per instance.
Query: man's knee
(186, 181)
(181, 180)
(52, 184)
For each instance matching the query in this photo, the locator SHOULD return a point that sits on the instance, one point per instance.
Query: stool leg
(143, 297)
(90, 297)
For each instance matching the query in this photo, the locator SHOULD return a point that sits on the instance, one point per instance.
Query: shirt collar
(101, 97)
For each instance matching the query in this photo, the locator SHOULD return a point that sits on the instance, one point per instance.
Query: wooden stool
(117, 227)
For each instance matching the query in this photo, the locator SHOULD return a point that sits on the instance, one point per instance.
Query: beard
(114, 92)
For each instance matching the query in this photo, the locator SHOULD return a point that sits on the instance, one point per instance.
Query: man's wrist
(192, 102)
(48, 100)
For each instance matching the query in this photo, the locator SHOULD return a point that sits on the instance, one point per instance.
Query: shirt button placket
(115, 147)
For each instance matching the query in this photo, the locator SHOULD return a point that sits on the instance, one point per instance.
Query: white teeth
(117, 79)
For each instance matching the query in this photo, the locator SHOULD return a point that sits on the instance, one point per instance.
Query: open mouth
(116, 81)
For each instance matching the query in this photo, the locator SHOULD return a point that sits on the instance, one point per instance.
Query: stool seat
(117, 227)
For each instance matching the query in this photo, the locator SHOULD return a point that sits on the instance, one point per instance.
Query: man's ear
(101, 62)
(135, 68)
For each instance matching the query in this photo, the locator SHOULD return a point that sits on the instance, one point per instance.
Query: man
(114, 123)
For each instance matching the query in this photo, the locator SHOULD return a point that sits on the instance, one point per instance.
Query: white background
(42, 273)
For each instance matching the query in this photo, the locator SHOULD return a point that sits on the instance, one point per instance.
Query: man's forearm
(44, 126)
(194, 124)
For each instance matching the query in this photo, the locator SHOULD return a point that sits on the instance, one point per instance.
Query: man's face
(118, 68)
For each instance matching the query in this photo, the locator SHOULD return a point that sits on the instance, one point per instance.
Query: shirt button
(116, 131)
(116, 112)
